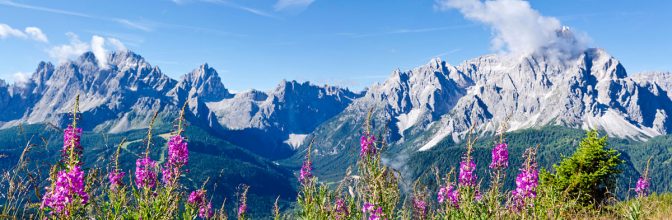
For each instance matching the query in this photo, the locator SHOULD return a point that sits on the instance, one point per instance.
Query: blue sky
(354, 43)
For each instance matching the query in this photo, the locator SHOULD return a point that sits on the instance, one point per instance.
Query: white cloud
(133, 24)
(65, 52)
(36, 34)
(21, 78)
(98, 48)
(118, 45)
(7, 31)
(518, 28)
(282, 5)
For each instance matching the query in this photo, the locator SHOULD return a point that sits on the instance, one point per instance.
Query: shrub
(589, 174)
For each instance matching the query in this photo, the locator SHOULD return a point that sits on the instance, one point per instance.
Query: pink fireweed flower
(500, 157)
(71, 141)
(526, 187)
(115, 178)
(242, 208)
(449, 194)
(467, 176)
(178, 154)
(196, 197)
(377, 215)
(526, 183)
(420, 207)
(340, 209)
(642, 187)
(206, 211)
(68, 188)
(367, 207)
(169, 175)
(197, 200)
(366, 143)
(305, 174)
(145, 175)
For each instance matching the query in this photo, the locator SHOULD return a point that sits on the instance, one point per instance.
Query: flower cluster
(169, 175)
(526, 185)
(115, 178)
(206, 211)
(242, 209)
(500, 156)
(197, 200)
(145, 175)
(242, 205)
(642, 187)
(340, 209)
(420, 208)
(71, 143)
(526, 182)
(449, 194)
(367, 145)
(305, 174)
(467, 176)
(178, 154)
(69, 188)
(375, 213)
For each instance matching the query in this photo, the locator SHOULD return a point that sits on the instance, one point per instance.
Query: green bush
(589, 175)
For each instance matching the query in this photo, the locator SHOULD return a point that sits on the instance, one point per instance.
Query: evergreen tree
(589, 174)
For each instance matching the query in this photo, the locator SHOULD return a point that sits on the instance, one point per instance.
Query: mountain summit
(419, 107)
(125, 94)
(437, 101)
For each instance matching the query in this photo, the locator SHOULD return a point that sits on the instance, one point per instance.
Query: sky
(351, 43)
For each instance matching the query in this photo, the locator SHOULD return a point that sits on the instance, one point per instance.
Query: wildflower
(206, 211)
(642, 187)
(242, 208)
(178, 154)
(449, 194)
(500, 157)
(169, 175)
(68, 188)
(526, 182)
(196, 197)
(377, 215)
(145, 176)
(420, 207)
(526, 185)
(197, 200)
(367, 145)
(115, 177)
(71, 142)
(305, 173)
(367, 207)
(340, 209)
(467, 176)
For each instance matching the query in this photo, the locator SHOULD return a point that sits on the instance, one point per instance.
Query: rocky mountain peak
(602, 65)
(204, 82)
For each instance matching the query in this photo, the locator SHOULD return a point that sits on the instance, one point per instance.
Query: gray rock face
(280, 117)
(661, 79)
(124, 96)
(423, 106)
(420, 107)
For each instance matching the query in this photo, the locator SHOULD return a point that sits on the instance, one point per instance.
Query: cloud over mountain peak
(519, 29)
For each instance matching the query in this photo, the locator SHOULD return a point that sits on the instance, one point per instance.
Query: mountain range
(415, 109)
(124, 95)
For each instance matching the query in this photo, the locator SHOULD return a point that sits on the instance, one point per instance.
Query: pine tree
(589, 174)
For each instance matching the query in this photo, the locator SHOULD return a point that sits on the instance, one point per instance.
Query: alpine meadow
(551, 110)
